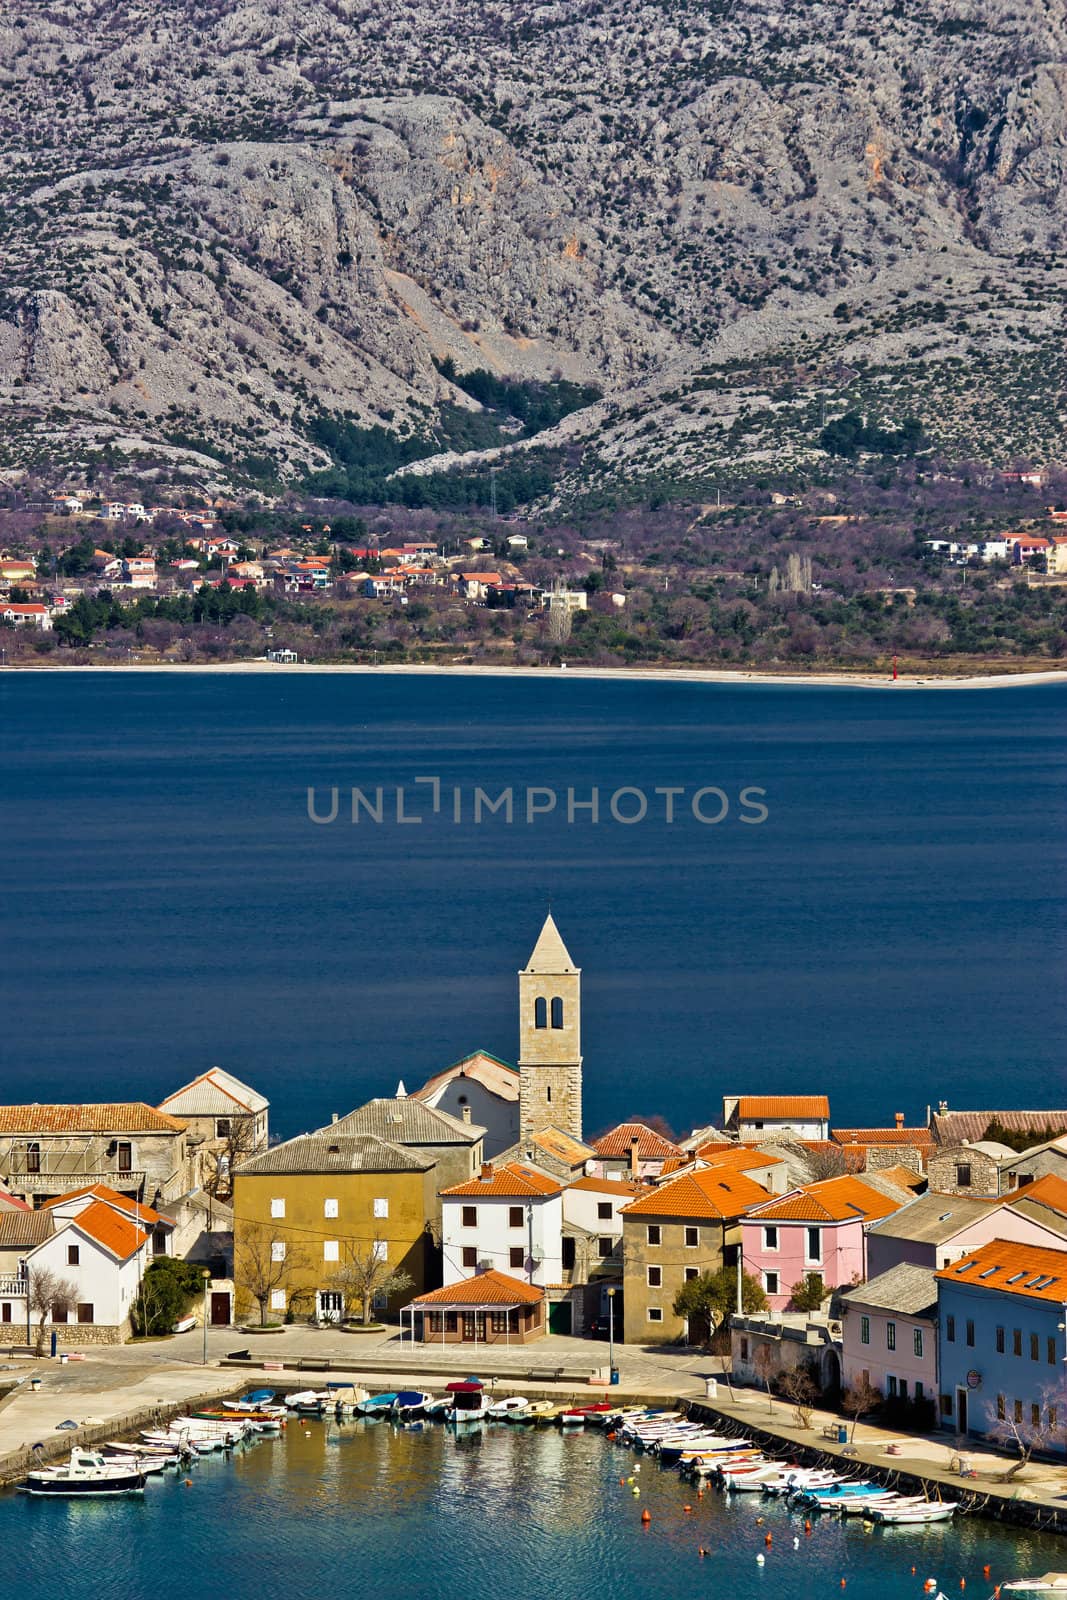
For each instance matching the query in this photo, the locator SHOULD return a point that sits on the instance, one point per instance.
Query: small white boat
(86, 1475)
(498, 1410)
(309, 1402)
(1049, 1583)
(926, 1511)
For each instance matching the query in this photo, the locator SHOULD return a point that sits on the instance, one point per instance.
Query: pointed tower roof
(550, 954)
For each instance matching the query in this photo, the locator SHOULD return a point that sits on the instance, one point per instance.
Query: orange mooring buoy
(646, 1516)
(768, 1538)
(807, 1527)
(688, 1510)
(188, 1483)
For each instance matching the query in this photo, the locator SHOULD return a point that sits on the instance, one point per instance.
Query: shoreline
(761, 679)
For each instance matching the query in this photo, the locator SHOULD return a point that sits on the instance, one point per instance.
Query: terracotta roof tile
(131, 1208)
(804, 1107)
(128, 1116)
(1048, 1191)
(115, 1233)
(561, 1145)
(921, 1138)
(514, 1178)
(651, 1146)
(740, 1157)
(1027, 1270)
(953, 1127)
(620, 1186)
(487, 1289)
(843, 1199)
(712, 1193)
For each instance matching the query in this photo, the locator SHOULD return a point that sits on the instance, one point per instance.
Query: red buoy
(646, 1515)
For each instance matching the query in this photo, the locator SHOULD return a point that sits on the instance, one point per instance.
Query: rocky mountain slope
(735, 217)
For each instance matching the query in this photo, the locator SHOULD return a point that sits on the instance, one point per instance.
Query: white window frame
(809, 1259)
(767, 1289)
(381, 1207)
(331, 1250)
(769, 1229)
(330, 1208)
(277, 1208)
(655, 1314)
(658, 1284)
(277, 1299)
(277, 1249)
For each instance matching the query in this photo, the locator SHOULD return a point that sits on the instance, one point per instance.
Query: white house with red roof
(508, 1219)
(26, 614)
(783, 1116)
(102, 1253)
(482, 1088)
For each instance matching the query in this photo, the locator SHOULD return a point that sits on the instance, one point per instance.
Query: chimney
(334, 1117)
(899, 1115)
(467, 1115)
(635, 1165)
(486, 1174)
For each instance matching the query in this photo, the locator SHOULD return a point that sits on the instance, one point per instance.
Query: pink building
(819, 1229)
(889, 1334)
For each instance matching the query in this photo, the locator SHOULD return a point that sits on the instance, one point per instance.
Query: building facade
(819, 1230)
(889, 1334)
(508, 1219)
(47, 1150)
(789, 1116)
(1001, 1343)
(307, 1209)
(680, 1230)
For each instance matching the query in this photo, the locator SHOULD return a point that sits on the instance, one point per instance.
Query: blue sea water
(891, 934)
(361, 1509)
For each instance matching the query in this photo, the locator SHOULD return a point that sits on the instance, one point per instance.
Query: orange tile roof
(111, 1197)
(560, 1144)
(805, 1107)
(623, 1186)
(912, 1136)
(651, 1146)
(1028, 1270)
(713, 1194)
(487, 1289)
(737, 1156)
(843, 1199)
(115, 1233)
(1048, 1191)
(903, 1177)
(128, 1116)
(514, 1178)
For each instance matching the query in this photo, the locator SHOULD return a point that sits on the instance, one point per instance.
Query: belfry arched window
(541, 1013)
(557, 1012)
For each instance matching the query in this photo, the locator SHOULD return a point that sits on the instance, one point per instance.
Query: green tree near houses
(710, 1299)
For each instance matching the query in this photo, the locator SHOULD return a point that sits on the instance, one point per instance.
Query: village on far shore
(913, 1273)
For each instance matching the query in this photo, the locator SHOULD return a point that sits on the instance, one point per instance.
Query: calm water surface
(333, 1512)
(889, 934)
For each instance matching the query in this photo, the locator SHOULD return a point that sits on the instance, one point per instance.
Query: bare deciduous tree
(238, 1142)
(1043, 1431)
(367, 1273)
(799, 1386)
(825, 1161)
(263, 1262)
(48, 1294)
(859, 1400)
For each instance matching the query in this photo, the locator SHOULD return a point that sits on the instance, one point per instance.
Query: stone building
(47, 1150)
(550, 1047)
(972, 1169)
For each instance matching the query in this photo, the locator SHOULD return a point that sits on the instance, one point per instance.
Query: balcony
(59, 1182)
(12, 1288)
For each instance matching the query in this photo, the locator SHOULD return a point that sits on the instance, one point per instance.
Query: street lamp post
(611, 1329)
(207, 1279)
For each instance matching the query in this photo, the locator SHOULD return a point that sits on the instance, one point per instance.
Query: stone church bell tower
(550, 1038)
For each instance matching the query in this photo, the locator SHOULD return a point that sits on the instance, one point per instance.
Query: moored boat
(86, 1475)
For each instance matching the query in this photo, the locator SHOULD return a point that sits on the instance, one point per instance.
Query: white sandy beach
(827, 680)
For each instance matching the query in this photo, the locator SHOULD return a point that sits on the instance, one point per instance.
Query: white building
(565, 599)
(781, 1116)
(26, 614)
(509, 1219)
(102, 1254)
